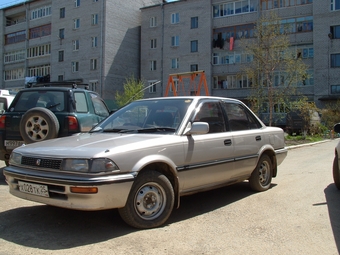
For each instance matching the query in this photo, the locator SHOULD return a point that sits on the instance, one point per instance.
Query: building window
(76, 3)
(39, 51)
(335, 5)
(61, 56)
(61, 33)
(41, 31)
(335, 89)
(15, 37)
(62, 13)
(335, 60)
(152, 87)
(14, 56)
(75, 44)
(15, 74)
(194, 46)
(60, 77)
(194, 22)
(335, 32)
(39, 70)
(174, 18)
(153, 65)
(75, 66)
(76, 23)
(174, 63)
(94, 19)
(153, 43)
(175, 41)
(194, 68)
(94, 41)
(41, 12)
(93, 64)
(234, 8)
(153, 22)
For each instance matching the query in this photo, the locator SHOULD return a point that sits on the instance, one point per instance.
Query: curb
(308, 144)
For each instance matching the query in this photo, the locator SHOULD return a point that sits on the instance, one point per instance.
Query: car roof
(197, 98)
(54, 89)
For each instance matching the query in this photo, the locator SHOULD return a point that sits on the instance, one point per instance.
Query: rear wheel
(150, 201)
(261, 177)
(336, 172)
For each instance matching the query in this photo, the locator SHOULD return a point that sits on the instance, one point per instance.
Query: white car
(5, 100)
(148, 154)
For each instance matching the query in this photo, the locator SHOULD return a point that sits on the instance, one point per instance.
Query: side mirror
(197, 128)
(337, 128)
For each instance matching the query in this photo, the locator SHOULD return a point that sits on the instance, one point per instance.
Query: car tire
(261, 177)
(336, 172)
(38, 124)
(150, 201)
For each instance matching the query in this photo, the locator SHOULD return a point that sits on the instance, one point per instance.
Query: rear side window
(239, 118)
(81, 104)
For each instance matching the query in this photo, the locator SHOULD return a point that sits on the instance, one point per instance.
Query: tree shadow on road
(333, 203)
(52, 228)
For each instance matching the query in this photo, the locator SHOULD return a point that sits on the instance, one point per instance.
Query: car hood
(88, 145)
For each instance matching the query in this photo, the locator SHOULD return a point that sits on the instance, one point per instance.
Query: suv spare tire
(38, 124)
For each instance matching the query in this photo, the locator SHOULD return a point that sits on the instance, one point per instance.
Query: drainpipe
(162, 51)
(101, 72)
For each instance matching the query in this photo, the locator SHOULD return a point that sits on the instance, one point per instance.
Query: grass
(299, 139)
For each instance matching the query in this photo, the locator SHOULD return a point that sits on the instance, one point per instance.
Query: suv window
(81, 105)
(51, 100)
(99, 106)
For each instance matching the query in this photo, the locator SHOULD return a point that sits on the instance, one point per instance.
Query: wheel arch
(272, 156)
(167, 170)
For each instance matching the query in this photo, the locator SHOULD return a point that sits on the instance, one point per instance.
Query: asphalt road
(300, 214)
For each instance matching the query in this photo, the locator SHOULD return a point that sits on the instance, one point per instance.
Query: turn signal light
(84, 190)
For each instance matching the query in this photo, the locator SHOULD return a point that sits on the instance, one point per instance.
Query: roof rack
(74, 85)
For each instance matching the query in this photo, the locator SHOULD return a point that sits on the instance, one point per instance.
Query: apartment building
(190, 35)
(94, 42)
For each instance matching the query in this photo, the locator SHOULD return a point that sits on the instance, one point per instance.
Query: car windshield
(159, 115)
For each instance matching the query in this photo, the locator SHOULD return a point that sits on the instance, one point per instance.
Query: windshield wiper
(156, 129)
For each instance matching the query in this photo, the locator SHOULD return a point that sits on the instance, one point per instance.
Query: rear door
(247, 135)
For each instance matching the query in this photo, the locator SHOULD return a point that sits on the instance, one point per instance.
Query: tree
(307, 111)
(275, 68)
(133, 90)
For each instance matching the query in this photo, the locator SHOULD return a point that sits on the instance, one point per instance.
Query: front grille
(41, 162)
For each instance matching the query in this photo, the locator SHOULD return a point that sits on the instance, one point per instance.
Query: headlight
(15, 158)
(90, 166)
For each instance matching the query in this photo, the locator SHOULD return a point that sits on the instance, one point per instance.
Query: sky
(5, 3)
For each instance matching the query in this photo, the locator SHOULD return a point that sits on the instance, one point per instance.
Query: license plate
(13, 143)
(35, 189)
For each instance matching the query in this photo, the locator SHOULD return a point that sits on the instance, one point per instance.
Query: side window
(239, 118)
(99, 106)
(81, 105)
(211, 113)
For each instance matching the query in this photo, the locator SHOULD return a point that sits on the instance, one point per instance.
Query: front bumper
(113, 190)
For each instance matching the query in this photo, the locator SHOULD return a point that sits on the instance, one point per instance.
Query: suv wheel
(38, 124)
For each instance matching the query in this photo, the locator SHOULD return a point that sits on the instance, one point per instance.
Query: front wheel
(261, 177)
(150, 201)
(336, 172)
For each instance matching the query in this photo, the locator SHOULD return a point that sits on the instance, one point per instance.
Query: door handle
(258, 138)
(227, 142)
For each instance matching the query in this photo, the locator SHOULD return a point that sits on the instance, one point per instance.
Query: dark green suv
(42, 113)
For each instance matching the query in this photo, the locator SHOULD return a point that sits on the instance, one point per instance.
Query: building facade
(94, 42)
(189, 35)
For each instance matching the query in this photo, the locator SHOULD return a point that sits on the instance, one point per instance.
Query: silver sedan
(148, 154)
